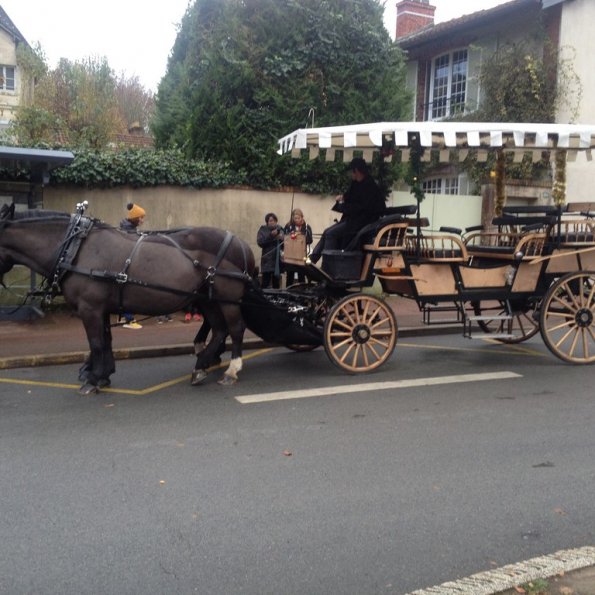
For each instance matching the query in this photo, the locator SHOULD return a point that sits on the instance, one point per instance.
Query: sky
(136, 36)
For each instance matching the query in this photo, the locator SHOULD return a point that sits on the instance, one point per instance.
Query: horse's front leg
(100, 365)
(108, 365)
(235, 327)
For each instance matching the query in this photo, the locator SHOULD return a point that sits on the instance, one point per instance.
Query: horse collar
(78, 229)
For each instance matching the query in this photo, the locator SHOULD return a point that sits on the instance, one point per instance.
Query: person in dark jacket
(363, 203)
(270, 239)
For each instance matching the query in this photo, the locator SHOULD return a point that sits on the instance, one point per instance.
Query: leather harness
(79, 228)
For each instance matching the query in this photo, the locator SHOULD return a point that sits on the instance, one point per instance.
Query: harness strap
(110, 276)
(78, 229)
(117, 277)
(123, 276)
(195, 262)
(212, 270)
(64, 265)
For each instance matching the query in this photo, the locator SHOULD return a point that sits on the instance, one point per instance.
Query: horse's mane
(45, 215)
(39, 214)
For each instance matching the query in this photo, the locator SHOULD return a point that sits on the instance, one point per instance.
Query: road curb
(78, 357)
(512, 575)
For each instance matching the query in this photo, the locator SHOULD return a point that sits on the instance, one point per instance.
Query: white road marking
(357, 388)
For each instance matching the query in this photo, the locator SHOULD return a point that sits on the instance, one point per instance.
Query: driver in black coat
(363, 203)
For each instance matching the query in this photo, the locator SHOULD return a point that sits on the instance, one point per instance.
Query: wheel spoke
(381, 322)
(569, 322)
(585, 343)
(564, 304)
(343, 343)
(374, 352)
(591, 298)
(347, 352)
(338, 334)
(375, 341)
(564, 337)
(342, 323)
(370, 317)
(574, 341)
(572, 296)
(364, 355)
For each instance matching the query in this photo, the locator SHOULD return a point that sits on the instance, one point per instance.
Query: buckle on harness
(121, 278)
(210, 276)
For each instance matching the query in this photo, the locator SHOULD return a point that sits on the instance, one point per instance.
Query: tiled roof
(133, 140)
(460, 24)
(9, 26)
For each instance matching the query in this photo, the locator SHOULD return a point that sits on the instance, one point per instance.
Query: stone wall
(241, 211)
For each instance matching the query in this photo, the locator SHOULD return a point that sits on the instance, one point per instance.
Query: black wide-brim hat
(358, 163)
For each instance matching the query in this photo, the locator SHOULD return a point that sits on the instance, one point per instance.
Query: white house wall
(576, 35)
(452, 210)
(8, 99)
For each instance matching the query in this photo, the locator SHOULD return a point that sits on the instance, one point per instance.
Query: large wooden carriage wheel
(567, 321)
(521, 327)
(360, 333)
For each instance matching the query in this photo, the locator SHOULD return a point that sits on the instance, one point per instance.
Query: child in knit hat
(134, 218)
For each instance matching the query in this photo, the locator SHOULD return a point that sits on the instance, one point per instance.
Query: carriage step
(482, 318)
(491, 336)
(429, 322)
(428, 311)
(441, 308)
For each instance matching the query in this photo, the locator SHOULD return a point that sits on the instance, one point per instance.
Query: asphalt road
(160, 487)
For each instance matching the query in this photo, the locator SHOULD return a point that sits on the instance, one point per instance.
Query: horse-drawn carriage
(535, 276)
(510, 284)
(532, 270)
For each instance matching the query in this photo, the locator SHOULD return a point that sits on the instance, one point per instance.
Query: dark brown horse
(101, 270)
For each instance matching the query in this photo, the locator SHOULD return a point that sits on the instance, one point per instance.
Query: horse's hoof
(88, 389)
(198, 376)
(227, 380)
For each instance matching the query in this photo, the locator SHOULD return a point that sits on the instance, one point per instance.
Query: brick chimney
(413, 15)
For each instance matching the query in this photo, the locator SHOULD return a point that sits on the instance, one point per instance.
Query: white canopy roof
(442, 136)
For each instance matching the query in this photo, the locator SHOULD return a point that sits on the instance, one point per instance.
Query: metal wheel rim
(360, 333)
(567, 320)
